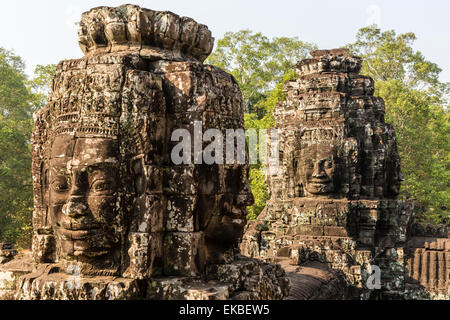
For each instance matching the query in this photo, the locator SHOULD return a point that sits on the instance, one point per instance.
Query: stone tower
(334, 193)
(114, 216)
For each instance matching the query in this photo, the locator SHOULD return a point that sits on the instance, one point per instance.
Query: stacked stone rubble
(109, 121)
(7, 252)
(333, 195)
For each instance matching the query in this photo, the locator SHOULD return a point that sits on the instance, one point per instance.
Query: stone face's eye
(309, 165)
(102, 186)
(328, 164)
(60, 184)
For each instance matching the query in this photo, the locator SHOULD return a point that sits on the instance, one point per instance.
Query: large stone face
(334, 194)
(333, 137)
(112, 210)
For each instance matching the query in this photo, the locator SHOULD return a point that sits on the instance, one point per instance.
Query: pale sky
(44, 31)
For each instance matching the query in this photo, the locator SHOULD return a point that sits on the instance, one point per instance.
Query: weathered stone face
(318, 165)
(333, 137)
(333, 196)
(394, 179)
(112, 209)
(84, 184)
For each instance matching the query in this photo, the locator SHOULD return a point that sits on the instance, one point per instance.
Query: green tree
(261, 66)
(15, 100)
(417, 106)
(423, 128)
(41, 84)
(16, 193)
(257, 63)
(15, 153)
(19, 98)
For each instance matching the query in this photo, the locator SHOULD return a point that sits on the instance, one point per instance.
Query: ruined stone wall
(427, 258)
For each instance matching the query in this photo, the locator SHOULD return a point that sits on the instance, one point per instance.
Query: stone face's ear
(44, 246)
(83, 39)
(45, 184)
(139, 176)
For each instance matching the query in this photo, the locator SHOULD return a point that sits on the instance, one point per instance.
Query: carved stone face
(225, 229)
(395, 181)
(318, 165)
(83, 178)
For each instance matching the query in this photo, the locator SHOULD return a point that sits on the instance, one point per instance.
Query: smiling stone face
(83, 189)
(317, 169)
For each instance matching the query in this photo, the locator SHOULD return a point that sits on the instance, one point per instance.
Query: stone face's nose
(74, 208)
(318, 170)
(79, 183)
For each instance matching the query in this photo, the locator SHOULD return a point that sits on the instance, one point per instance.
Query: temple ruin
(114, 217)
(333, 215)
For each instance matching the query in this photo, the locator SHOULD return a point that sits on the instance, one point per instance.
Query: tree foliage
(41, 83)
(388, 56)
(19, 98)
(257, 63)
(14, 95)
(417, 106)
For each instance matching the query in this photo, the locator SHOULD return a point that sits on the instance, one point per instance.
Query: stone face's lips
(78, 226)
(130, 27)
(89, 253)
(72, 230)
(320, 181)
(77, 234)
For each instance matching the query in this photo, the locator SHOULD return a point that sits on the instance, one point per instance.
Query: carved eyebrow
(101, 165)
(60, 176)
(97, 170)
(108, 178)
(60, 170)
(96, 166)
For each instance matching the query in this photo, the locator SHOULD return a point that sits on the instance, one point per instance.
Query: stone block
(184, 254)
